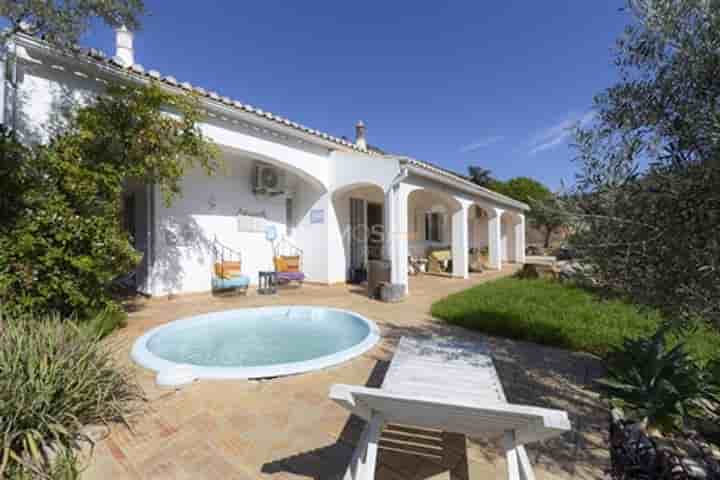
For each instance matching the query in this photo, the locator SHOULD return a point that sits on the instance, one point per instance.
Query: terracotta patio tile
(288, 428)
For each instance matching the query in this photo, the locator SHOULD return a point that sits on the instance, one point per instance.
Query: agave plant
(658, 382)
(713, 386)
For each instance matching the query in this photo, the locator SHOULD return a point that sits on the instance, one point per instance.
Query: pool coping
(173, 374)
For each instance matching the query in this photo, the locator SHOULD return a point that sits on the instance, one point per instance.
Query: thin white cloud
(481, 143)
(559, 133)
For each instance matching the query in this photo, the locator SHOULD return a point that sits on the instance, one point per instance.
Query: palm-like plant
(481, 176)
(659, 383)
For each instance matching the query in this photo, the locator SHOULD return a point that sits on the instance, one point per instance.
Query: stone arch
(314, 181)
(425, 207)
(360, 212)
(346, 188)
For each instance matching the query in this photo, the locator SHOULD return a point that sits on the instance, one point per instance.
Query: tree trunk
(548, 234)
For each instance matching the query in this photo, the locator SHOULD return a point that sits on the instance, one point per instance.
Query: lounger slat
(449, 370)
(531, 424)
(467, 395)
(449, 385)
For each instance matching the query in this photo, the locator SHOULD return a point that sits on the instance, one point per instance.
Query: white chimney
(360, 139)
(124, 53)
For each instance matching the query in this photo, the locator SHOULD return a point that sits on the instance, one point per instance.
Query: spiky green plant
(657, 380)
(55, 378)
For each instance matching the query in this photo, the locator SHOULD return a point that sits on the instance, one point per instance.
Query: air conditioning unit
(268, 180)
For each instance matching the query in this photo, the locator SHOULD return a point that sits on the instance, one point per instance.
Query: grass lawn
(556, 314)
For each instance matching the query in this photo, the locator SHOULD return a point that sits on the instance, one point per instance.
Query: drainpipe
(10, 85)
(150, 240)
(8, 82)
(3, 70)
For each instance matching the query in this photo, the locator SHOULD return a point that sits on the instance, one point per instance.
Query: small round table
(267, 282)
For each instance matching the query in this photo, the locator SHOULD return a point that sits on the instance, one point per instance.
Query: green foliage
(659, 382)
(549, 214)
(557, 314)
(55, 379)
(523, 189)
(106, 321)
(648, 199)
(63, 22)
(61, 240)
(12, 176)
(65, 466)
(546, 211)
(482, 177)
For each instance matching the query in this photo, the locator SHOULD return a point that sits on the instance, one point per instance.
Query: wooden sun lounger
(451, 386)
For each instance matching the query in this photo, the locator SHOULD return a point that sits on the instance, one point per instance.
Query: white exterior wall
(314, 239)
(207, 210)
(43, 97)
(324, 178)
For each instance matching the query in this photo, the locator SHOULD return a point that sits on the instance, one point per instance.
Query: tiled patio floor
(288, 429)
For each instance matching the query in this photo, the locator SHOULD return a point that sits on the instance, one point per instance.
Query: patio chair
(440, 261)
(227, 270)
(478, 260)
(287, 259)
(451, 386)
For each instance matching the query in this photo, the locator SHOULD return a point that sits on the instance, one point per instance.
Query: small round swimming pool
(254, 343)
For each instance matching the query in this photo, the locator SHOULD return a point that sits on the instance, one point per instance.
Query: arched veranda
(431, 232)
(359, 208)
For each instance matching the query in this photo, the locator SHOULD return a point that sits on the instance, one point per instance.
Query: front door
(358, 235)
(375, 231)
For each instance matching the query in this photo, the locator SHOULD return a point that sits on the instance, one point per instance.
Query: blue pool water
(256, 342)
(260, 337)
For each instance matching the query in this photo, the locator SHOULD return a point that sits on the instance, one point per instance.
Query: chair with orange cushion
(288, 262)
(227, 270)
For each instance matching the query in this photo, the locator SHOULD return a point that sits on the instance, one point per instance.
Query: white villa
(314, 188)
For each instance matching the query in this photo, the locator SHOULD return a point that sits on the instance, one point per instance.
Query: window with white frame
(433, 225)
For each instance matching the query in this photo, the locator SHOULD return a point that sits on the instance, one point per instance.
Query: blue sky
(458, 83)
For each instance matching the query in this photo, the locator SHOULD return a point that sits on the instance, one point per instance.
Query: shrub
(61, 240)
(658, 381)
(55, 378)
(107, 321)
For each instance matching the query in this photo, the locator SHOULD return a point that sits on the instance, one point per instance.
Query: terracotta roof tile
(98, 56)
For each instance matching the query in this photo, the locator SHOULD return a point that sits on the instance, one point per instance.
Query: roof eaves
(464, 180)
(98, 58)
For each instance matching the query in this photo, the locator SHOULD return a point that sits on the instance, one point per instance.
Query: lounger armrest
(530, 424)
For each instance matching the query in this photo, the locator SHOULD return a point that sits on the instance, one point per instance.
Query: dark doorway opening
(375, 230)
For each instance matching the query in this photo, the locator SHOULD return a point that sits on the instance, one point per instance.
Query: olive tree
(648, 188)
(63, 22)
(545, 213)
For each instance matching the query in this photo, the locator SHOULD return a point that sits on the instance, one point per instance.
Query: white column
(397, 234)
(495, 237)
(519, 239)
(460, 242)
